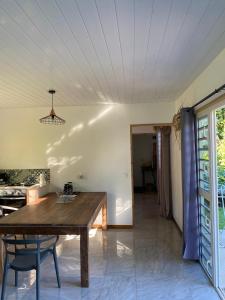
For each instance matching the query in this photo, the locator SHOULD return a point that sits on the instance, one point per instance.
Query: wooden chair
(26, 253)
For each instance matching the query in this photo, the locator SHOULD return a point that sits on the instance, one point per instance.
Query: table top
(47, 215)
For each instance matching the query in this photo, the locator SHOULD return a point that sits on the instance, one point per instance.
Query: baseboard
(120, 226)
(99, 226)
(178, 228)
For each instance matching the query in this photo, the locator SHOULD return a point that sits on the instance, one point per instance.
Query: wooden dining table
(47, 216)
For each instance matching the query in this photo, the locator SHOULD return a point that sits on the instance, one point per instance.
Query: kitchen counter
(24, 187)
(32, 193)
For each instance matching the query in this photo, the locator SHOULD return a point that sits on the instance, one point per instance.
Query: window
(204, 194)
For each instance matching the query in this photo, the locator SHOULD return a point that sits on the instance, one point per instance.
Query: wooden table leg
(104, 215)
(84, 247)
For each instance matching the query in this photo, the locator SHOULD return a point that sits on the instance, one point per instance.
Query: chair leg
(38, 282)
(16, 278)
(56, 267)
(4, 279)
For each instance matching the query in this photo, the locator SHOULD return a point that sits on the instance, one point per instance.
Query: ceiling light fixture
(52, 118)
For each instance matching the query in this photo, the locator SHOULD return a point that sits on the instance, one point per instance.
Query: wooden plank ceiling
(105, 51)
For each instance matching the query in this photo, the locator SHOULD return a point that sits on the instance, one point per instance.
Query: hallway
(140, 264)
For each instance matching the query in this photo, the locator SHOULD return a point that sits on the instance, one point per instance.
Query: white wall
(212, 77)
(176, 180)
(140, 129)
(95, 141)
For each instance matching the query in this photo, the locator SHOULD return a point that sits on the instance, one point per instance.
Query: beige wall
(95, 142)
(212, 77)
(143, 129)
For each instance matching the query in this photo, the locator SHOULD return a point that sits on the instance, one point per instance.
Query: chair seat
(28, 262)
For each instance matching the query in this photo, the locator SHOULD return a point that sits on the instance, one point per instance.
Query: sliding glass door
(211, 176)
(219, 143)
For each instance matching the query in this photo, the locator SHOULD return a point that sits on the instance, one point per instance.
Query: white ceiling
(103, 51)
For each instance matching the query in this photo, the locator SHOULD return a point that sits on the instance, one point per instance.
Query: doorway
(144, 170)
(150, 166)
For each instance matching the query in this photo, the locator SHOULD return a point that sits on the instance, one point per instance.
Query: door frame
(211, 194)
(131, 158)
(210, 109)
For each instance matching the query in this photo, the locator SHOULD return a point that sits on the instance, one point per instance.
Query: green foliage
(221, 175)
(221, 219)
(220, 126)
(204, 155)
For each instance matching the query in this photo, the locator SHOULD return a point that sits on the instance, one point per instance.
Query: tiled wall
(27, 176)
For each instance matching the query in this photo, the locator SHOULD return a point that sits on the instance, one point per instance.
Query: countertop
(9, 187)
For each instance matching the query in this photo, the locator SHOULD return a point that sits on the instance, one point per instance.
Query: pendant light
(52, 118)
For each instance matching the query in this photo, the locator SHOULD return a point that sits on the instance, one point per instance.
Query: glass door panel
(220, 172)
(205, 206)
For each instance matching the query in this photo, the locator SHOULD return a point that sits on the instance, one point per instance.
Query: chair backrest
(35, 243)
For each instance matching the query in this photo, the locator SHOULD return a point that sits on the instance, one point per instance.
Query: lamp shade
(52, 118)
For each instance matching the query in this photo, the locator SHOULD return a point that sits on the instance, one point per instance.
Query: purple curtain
(189, 183)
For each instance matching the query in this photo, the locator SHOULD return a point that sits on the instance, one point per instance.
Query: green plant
(221, 219)
(220, 145)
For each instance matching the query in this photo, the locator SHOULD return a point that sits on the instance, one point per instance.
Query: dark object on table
(68, 188)
(29, 252)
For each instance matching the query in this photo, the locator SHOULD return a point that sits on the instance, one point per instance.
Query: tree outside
(220, 150)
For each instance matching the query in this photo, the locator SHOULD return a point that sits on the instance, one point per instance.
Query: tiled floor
(143, 263)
